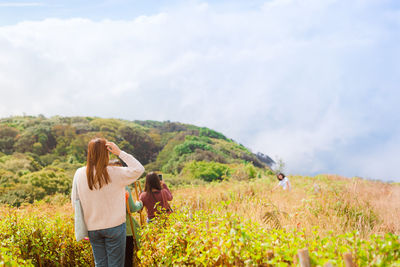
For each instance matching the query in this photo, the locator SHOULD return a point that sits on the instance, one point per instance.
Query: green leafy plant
(208, 171)
(223, 239)
(40, 239)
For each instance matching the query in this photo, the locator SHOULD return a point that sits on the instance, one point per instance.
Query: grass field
(231, 223)
(330, 203)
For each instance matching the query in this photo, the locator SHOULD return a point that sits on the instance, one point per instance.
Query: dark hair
(152, 182)
(279, 174)
(114, 162)
(117, 162)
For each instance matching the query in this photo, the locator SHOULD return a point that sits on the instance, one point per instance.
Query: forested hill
(38, 155)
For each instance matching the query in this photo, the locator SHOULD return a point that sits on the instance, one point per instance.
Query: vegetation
(40, 235)
(38, 155)
(208, 171)
(235, 222)
(213, 239)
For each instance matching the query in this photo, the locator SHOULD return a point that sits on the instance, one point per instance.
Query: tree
(25, 142)
(279, 165)
(78, 147)
(52, 180)
(7, 138)
(21, 193)
(144, 148)
(211, 133)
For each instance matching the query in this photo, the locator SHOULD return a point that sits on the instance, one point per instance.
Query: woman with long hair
(156, 193)
(101, 190)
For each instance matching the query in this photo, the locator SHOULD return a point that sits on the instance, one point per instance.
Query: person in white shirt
(283, 182)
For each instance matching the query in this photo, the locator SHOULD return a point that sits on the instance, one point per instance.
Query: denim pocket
(115, 231)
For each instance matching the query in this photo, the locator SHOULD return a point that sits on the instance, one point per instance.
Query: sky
(314, 83)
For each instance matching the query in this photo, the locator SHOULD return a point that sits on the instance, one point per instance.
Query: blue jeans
(109, 246)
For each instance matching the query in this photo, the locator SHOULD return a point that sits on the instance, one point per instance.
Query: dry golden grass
(330, 203)
(383, 198)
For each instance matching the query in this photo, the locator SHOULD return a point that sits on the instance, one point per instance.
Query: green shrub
(166, 153)
(19, 162)
(100, 124)
(218, 238)
(182, 181)
(190, 146)
(206, 155)
(207, 171)
(41, 240)
(7, 178)
(175, 164)
(52, 180)
(7, 138)
(181, 153)
(10, 258)
(251, 171)
(48, 159)
(20, 193)
(211, 133)
(203, 139)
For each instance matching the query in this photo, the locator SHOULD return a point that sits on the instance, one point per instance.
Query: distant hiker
(156, 194)
(132, 239)
(283, 182)
(101, 191)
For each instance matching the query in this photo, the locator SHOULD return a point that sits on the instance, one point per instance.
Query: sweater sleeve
(73, 192)
(143, 198)
(127, 175)
(74, 181)
(138, 206)
(167, 192)
(134, 206)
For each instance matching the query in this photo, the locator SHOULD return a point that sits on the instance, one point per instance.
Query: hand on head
(113, 148)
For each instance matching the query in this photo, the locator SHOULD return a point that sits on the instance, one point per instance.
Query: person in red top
(155, 191)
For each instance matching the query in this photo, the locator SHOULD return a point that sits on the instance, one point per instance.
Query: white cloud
(301, 79)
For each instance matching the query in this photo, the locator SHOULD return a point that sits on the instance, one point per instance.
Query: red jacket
(150, 200)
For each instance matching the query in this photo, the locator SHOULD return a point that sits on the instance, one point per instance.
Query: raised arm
(126, 175)
(133, 170)
(166, 191)
(275, 187)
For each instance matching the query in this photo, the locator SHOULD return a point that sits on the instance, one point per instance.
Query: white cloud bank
(315, 82)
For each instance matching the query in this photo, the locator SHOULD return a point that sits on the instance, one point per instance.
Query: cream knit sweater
(105, 208)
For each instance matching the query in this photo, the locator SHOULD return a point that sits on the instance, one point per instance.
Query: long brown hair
(97, 160)
(152, 182)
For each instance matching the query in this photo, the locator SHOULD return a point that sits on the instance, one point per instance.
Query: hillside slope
(39, 155)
